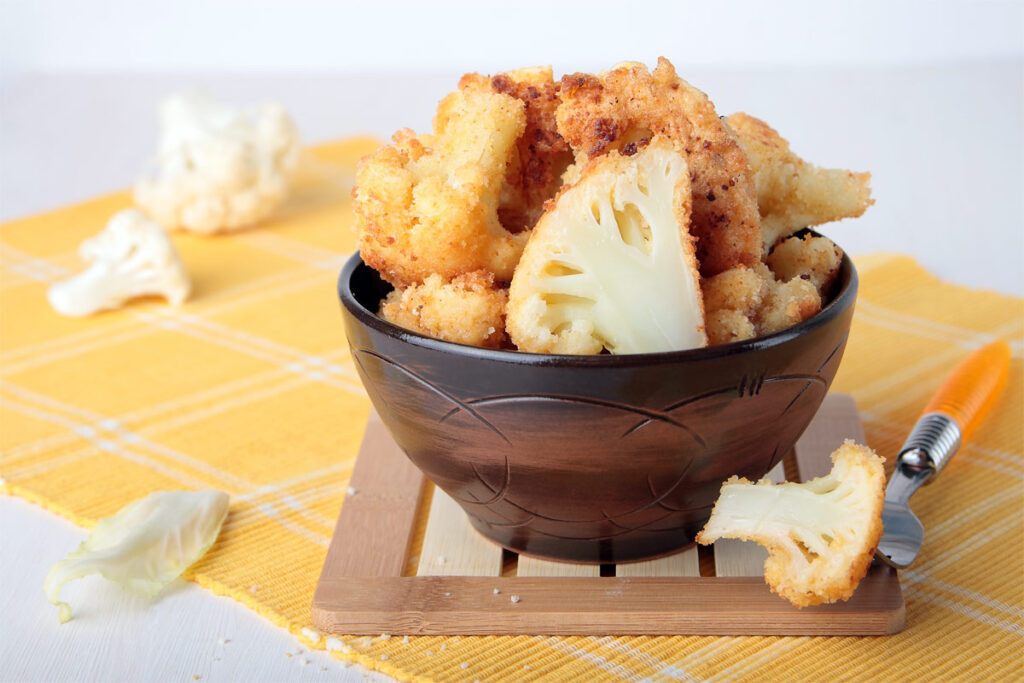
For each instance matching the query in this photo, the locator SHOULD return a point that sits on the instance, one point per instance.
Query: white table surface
(945, 144)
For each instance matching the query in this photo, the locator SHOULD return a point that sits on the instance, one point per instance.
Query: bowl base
(631, 548)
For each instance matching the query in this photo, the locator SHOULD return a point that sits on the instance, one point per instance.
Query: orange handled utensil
(949, 418)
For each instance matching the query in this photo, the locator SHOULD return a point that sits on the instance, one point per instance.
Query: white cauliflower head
(820, 535)
(132, 257)
(611, 265)
(218, 168)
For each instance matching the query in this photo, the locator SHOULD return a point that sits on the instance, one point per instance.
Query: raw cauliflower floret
(218, 168)
(132, 257)
(469, 309)
(429, 204)
(820, 535)
(791, 193)
(611, 265)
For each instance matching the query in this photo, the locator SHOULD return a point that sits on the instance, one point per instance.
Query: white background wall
(265, 35)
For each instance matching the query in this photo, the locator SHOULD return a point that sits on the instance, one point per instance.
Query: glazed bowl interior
(594, 459)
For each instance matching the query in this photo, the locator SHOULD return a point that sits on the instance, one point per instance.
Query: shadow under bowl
(592, 459)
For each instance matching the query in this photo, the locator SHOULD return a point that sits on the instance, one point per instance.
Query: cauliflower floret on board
(626, 106)
(469, 309)
(820, 535)
(791, 193)
(218, 168)
(429, 204)
(611, 265)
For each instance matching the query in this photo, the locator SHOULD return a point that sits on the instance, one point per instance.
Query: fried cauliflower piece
(815, 259)
(469, 309)
(429, 204)
(624, 107)
(788, 303)
(611, 265)
(542, 154)
(731, 302)
(754, 294)
(791, 193)
(820, 535)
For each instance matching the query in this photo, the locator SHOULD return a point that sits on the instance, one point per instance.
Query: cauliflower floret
(132, 257)
(611, 265)
(468, 310)
(820, 535)
(791, 193)
(816, 259)
(218, 168)
(755, 295)
(624, 107)
(429, 204)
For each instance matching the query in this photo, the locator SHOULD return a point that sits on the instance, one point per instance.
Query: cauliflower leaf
(611, 265)
(145, 545)
(820, 535)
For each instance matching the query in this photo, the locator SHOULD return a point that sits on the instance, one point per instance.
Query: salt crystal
(514, 598)
(311, 634)
(496, 591)
(384, 658)
(333, 643)
(351, 491)
(405, 640)
(464, 665)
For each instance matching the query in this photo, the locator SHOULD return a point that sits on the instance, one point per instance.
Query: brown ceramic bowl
(595, 459)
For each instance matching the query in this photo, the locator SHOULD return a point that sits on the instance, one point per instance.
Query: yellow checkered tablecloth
(249, 388)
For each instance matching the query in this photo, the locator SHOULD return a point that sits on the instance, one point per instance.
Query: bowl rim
(843, 300)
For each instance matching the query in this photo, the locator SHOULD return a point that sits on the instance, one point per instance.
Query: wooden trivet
(465, 585)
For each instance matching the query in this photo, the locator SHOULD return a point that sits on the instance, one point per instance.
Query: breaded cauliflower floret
(788, 303)
(217, 168)
(820, 535)
(791, 193)
(611, 265)
(470, 309)
(816, 259)
(429, 204)
(535, 172)
(731, 302)
(622, 108)
(768, 304)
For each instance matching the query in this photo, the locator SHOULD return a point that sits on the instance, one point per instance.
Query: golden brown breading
(470, 309)
(726, 325)
(815, 259)
(623, 108)
(787, 304)
(791, 193)
(754, 294)
(534, 173)
(428, 204)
